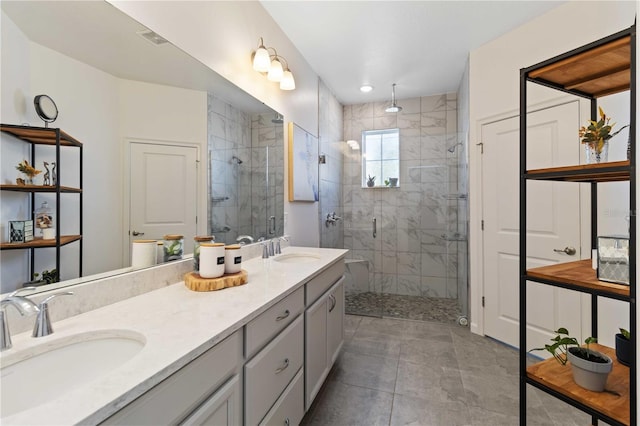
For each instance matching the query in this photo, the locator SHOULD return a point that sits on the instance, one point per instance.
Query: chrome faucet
(43, 326)
(265, 250)
(278, 247)
(23, 305)
(271, 248)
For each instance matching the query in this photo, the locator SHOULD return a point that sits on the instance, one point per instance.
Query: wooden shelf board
(40, 135)
(601, 71)
(578, 274)
(38, 188)
(614, 402)
(601, 172)
(39, 243)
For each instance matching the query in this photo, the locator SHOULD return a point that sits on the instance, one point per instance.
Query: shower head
(393, 107)
(453, 147)
(236, 160)
(278, 119)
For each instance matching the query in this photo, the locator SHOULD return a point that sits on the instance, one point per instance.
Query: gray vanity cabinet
(324, 335)
(208, 390)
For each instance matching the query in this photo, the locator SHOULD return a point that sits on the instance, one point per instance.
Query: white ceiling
(98, 34)
(420, 45)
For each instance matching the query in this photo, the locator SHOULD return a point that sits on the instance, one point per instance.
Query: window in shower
(380, 158)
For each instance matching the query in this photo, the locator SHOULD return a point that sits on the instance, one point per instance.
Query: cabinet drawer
(318, 285)
(179, 394)
(264, 327)
(271, 370)
(289, 409)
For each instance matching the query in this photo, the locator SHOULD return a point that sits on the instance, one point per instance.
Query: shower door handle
(272, 222)
(375, 232)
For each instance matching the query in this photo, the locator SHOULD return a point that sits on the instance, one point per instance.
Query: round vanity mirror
(46, 109)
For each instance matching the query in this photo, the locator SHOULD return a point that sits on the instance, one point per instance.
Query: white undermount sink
(39, 374)
(300, 257)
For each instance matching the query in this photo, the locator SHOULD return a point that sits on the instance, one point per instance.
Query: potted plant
(590, 368)
(371, 181)
(623, 347)
(596, 136)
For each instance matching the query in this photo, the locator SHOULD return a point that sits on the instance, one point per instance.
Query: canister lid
(202, 238)
(145, 241)
(173, 237)
(232, 247)
(212, 245)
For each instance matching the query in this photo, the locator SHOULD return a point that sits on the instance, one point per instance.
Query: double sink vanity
(253, 354)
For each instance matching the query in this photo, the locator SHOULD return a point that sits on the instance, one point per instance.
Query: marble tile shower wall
(240, 202)
(267, 176)
(229, 135)
(409, 255)
(330, 127)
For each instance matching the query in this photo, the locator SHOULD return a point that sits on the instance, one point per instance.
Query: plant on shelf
(590, 368)
(371, 181)
(597, 134)
(623, 347)
(28, 170)
(48, 277)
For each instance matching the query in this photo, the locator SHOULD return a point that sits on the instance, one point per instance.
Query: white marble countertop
(178, 325)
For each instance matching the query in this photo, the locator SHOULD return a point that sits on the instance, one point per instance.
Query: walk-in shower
(408, 249)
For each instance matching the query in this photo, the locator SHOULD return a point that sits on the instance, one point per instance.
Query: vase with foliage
(596, 137)
(371, 181)
(590, 368)
(29, 171)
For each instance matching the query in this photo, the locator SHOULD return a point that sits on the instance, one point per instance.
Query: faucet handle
(20, 290)
(43, 326)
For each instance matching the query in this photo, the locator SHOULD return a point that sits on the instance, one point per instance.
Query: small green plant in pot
(590, 368)
(623, 347)
(371, 181)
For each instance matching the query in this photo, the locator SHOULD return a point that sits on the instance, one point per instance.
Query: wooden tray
(195, 282)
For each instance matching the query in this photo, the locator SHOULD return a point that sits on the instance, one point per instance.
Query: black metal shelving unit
(601, 68)
(56, 138)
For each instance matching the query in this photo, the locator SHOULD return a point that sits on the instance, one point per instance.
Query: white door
(163, 184)
(553, 212)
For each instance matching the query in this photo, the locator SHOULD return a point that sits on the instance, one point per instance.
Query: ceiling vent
(152, 37)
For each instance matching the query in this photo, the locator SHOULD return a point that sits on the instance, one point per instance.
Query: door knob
(568, 250)
(136, 233)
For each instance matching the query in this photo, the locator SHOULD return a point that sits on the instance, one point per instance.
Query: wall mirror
(241, 139)
(381, 158)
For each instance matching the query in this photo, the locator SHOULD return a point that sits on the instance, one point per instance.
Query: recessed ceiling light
(366, 88)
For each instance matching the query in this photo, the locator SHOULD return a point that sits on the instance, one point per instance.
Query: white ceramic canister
(232, 259)
(160, 253)
(211, 260)
(143, 253)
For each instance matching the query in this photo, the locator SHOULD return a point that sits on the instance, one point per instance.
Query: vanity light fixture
(394, 107)
(266, 62)
(354, 145)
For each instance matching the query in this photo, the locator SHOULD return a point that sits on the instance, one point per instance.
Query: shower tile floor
(400, 306)
(402, 372)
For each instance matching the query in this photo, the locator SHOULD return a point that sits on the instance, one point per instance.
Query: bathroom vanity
(253, 354)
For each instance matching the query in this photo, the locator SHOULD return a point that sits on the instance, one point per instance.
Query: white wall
(494, 89)
(222, 35)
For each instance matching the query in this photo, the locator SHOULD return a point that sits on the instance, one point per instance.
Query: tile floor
(403, 372)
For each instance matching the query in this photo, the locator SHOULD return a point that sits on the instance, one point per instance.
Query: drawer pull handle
(284, 366)
(286, 421)
(283, 316)
(334, 302)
